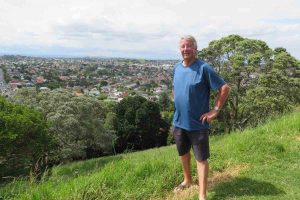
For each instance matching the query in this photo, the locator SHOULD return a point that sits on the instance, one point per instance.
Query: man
(193, 79)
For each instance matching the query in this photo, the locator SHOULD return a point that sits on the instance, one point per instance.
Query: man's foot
(202, 198)
(182, 186)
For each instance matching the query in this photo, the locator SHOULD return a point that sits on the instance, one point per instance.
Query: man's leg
(201, 152)
(183, 147)
(202, 169)
(186, 166)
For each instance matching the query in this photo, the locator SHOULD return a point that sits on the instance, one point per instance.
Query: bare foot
(182, 186)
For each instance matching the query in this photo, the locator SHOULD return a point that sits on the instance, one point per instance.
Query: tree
(165, 102)
(253, 71)
(77, 123)
(103, 83)
(278, 88)
(138, 123)
(24, 140)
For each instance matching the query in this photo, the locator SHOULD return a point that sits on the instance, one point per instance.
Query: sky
(148, 29)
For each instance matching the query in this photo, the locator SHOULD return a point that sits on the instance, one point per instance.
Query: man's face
(187, 49)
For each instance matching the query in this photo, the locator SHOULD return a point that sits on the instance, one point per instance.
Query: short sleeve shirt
(191, 86)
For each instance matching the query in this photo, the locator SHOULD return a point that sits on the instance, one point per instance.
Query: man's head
(188, 47)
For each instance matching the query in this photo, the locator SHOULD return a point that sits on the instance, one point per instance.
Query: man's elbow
(225, 89)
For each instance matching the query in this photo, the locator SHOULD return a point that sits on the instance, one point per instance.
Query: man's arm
(219, 102)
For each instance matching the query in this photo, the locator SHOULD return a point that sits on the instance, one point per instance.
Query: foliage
(167, 117)
(76, 123)
(24, 140)
(263, 82)
(138, 124)
(165, 102)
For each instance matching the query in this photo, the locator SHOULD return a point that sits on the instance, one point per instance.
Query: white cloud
(144, 28)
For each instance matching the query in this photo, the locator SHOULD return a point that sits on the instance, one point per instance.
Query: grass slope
(261, 163)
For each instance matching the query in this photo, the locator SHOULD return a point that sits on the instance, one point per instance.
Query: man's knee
(202, 162)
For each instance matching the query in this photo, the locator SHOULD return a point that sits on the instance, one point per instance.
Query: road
(3, 86)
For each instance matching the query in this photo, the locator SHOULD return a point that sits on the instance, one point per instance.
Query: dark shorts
(198, 140)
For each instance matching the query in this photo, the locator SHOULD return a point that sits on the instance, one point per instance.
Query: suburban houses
(104, 78)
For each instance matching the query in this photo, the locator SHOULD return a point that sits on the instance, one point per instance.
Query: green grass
(271, 153)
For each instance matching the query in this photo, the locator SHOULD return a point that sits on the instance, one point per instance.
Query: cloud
(102, 29)
(143, 27)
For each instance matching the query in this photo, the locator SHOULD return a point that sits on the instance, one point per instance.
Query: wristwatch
(216, 108)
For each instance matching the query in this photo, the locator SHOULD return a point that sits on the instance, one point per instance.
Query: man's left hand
(208, 117)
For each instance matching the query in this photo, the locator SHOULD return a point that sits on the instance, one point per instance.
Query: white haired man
(193, 79)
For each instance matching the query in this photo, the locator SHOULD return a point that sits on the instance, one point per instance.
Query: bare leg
(186, 166)
(202, 168)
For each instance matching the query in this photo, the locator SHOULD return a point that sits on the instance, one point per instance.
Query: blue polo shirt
(191, 86)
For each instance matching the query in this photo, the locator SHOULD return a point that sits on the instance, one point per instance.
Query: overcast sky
(141, 28)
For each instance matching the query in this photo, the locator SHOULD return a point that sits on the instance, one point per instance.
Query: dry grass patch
(216, 178)
(225, 175)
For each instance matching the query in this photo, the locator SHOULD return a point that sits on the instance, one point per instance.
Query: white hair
(189, 38)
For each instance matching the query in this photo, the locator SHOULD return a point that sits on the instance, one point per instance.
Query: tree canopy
(138, 124)
(77, 123)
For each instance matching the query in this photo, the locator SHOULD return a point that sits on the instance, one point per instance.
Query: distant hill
(260, 163)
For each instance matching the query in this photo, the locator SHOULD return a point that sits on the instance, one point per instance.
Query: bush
(24, 140)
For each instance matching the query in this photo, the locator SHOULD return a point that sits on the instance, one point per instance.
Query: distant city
(103, 78)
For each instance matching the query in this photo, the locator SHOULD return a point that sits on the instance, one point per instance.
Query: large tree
(77, 123)
(258, 76)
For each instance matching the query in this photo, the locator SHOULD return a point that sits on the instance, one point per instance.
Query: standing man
(193, 79)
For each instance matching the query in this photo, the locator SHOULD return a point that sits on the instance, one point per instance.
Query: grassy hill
(261, 163)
